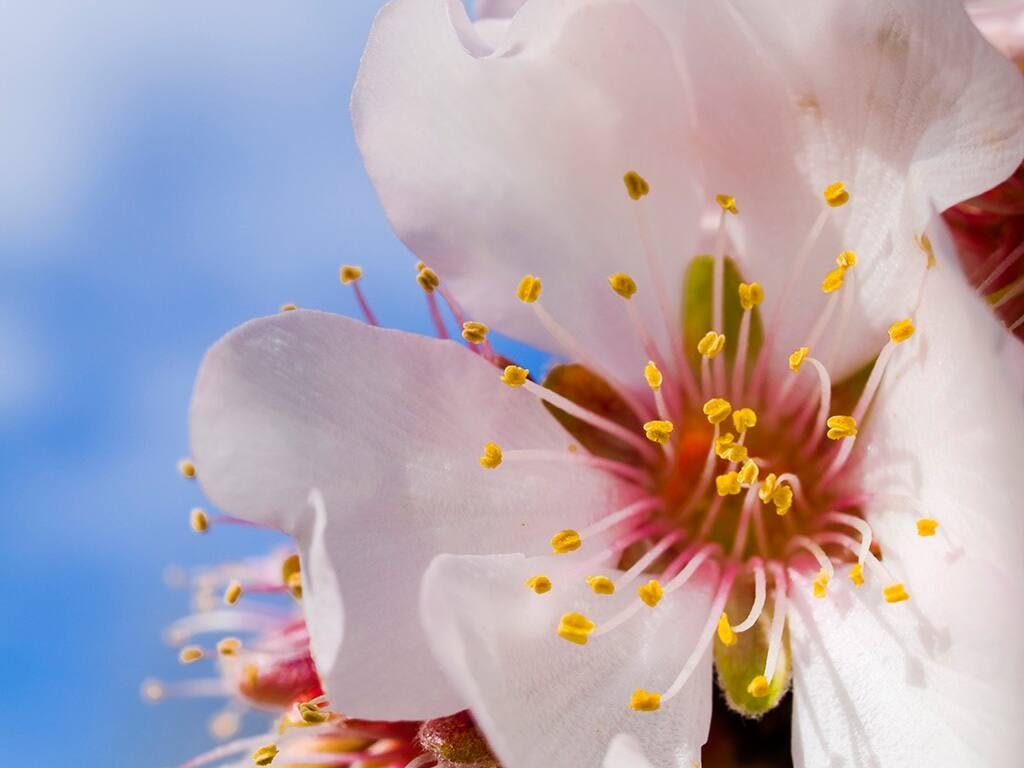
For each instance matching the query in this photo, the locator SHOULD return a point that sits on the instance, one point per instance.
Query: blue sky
(167, 173)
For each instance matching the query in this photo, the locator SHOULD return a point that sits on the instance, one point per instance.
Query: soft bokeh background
(166, 172)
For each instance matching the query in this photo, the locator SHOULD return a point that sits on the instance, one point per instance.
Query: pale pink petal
(388, 428)
(491, 167)
(496, 9)
(543, 701)
(1001, 22)
(625, 752)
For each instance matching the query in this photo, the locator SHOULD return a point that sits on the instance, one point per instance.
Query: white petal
(1002, 23)
(494, 167)
(388, 427)
(543, 701)
(625, 752)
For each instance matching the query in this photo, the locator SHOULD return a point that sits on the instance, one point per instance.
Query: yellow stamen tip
(229, 646)
(529, 289)
(232, 593)
(758, 687)
(601, 585)
(901, 331)
(767, 487)
(576, 628)
(857, 574)
(636, 185)
(748, 473)
(187, 468)
(728, 203)
(428, 279)
(797, 358)
(840, 427)
(651, 592)
(711, 344)
(782, 498)
(198, 520)
(735, 453)
(820, 584)
(725, 633)
(653, 375)
(926, 526)
(925, 245)
(724, 445)
(623, 284)
(644, 701)
(288, 307)
(311, 714)
(659, 431)
(833, 280)
(836, 194)
(491, 458)
(744, 419)
(751, 295)
(514, 376)
(190, 654)
(895, 593)
(846, 259)
(566, 541)
(539, 584)
(728, 484)
(717, 410)
(265, 755)
(474, 332)
(349, 274)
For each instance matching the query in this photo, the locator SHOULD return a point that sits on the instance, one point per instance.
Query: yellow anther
(846, 259)
(748, 473)
(228, 646)
(926, 247)
(491, 458)
(895, 593)
(767, 487)
(529, 289)
(265, 755)
(601, 585)
(474, 332)
(576, 628)
(653, 375)
(311, 714)
(901, 331)
(636, 185)
(187, 468)
(198, 520)
(840, 427)
(820, 584)
(724, 445)
(659, 431)
(644, 701)
(514, 376)
(250, 675)
(232, 593)
(717, 410)
(566, 541)
(725, 633)
(782, 498)
(728, 484)
(651, 592)
(539, 583)
(190, 654)
(926, 526)
(289, 307)
(623, 284)
(294, 584)
(428, 279)
(744, 419)
(833, 280)
(857, 574)
(728, 203)
(836, 194)
(758, 687)
(420, 266)
(751, 295)
(349, 274)
(797, 358)
(711, 344)
(736, 453)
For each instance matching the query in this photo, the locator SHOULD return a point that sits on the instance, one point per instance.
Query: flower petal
(625, 752)
(492, 167)
(544, 701)
(933, 681)
(1001, 22)
(388, 427)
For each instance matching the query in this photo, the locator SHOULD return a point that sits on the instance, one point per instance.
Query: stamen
(539, 584)
(350, 275)
(632, 510)
(654, 380)
(491, 458)
(650, 557)
(760, 594)
(288, 307)
(228, 646)
(751, 296)
(566, 541)
(190, 654)
(576, 628)
(778, 623)
(827, 571)
(1003, 265)
(187, 469)
(198, 520)
(926, 526)
(742, 528)
(836, 194)
(601, 585)
(717, 410)
(841, 426)
(895, 592)
(474, 332)
(623, 284)
(265, 755)
(514, 376)
(728, 203)
(744, 419)
(232, 593)
(725, 632)
(824, 404)
(650, 593)
(859, 524)
(644, 701)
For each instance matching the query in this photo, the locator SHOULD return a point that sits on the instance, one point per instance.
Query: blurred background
(167, 171)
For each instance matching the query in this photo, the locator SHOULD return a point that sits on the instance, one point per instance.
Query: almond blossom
(784, 456)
